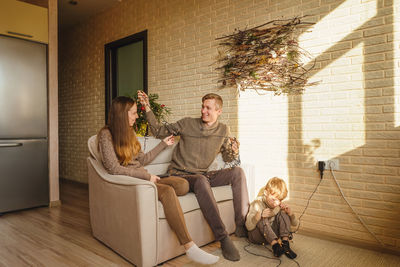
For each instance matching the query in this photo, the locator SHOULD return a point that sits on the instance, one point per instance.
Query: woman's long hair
(124, 139)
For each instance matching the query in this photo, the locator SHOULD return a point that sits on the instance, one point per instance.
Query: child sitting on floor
(269, 220)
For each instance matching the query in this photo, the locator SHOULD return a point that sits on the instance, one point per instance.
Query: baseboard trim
(70, 181)
(351, 242)
(55, 203)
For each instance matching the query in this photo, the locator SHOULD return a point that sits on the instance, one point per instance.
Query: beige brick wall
(352, 116)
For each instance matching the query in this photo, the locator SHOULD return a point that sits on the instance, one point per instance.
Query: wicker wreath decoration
(266, 57)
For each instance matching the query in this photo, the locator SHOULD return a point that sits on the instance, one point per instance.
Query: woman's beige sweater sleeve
(110, 160)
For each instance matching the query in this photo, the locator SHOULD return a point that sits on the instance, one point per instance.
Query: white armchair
(126, 215)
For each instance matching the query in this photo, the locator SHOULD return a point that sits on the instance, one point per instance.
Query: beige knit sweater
(134, 167)
(198, 145)
(258, 205)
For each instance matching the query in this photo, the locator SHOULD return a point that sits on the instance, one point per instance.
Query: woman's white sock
(198, 255)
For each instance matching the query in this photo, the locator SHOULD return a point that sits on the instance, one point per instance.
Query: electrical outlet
(331, 164)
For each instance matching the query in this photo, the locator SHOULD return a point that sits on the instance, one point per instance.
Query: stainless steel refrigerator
(24, 181)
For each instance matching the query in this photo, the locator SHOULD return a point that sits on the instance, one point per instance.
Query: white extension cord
(359, 218)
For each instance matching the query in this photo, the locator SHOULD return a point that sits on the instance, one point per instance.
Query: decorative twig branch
(265, 58)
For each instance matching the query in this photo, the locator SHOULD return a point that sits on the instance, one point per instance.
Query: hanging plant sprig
(266, 57)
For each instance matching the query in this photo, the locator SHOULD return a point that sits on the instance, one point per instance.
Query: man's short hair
(218, 99)
(277, 187)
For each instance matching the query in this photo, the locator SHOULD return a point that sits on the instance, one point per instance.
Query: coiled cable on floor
(260, 255)
(249, 244)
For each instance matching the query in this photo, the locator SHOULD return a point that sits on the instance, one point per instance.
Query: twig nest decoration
(266, 57)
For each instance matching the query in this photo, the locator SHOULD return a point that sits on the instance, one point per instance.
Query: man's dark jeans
(201, 185)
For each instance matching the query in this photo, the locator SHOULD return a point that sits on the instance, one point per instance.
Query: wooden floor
(59, 236)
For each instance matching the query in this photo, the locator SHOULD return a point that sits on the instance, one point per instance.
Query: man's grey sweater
(198, 145)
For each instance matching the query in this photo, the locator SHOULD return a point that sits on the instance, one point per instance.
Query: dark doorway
(125, 67)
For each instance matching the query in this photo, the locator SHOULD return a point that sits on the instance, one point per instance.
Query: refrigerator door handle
(10, 144)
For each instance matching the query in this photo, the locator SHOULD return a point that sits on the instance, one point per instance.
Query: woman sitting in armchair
(121, 154)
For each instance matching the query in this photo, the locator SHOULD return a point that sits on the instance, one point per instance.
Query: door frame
(110, 56)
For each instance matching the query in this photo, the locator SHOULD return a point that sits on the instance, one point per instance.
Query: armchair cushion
(189, 201)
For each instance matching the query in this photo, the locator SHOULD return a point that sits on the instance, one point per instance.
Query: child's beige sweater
(258, 205)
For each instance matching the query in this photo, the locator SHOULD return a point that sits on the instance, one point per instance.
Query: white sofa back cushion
(160, 164)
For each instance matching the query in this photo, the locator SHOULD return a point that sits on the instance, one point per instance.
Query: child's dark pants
(265, 232)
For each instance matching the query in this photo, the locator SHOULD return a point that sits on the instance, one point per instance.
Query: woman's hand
(144, 100)
(154, 178)
(286, 208)
(169, 140)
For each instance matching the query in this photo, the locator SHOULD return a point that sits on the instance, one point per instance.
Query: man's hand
(267, 213)
(285, 207)
(144, 100)
(169, 140)
(235, 144)
(154, 178)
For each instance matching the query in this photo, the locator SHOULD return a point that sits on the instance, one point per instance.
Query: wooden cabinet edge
(25, 21)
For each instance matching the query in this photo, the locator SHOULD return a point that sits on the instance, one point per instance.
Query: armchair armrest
(117, 179)
(124, 214)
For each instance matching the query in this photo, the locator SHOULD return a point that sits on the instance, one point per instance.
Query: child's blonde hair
(277, 187)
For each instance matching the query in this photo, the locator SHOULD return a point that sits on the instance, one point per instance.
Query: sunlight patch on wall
(396, 36)
(333, 111)
(263, 134)
(336, 26)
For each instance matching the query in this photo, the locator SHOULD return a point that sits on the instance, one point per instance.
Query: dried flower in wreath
(266, 57)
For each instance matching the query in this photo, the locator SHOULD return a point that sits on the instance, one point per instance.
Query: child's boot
(287, 250)
(277, 249)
